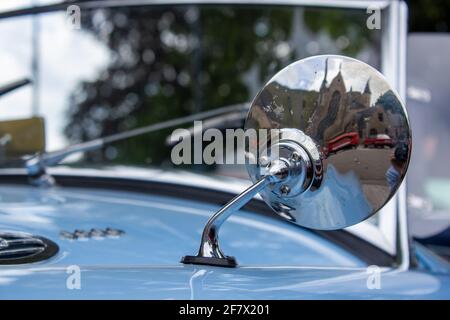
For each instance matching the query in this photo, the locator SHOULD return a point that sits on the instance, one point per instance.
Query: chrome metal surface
(335, 108)
(94, 4)
(300, 155)
(93, 233)
(288, 173)
(21, 248)
(210, 237)
(210, 252)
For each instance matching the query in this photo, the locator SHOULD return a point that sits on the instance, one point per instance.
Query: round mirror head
(343, 132)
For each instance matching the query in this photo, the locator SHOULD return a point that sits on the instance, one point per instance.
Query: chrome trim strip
(353, 4)
(394, 68)
(404, 237)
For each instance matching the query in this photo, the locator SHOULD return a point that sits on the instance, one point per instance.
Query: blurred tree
(429, 15)
(347, 27)
(170, 61)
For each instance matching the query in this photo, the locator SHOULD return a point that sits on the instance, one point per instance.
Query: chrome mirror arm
(209, 252)
(287, 171)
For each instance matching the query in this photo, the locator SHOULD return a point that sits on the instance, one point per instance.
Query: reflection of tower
(323, 86)
(360, 100)
(366, 94)
(337, 110)
(337, 84)
(367, 88)
(331, 100)
(324, 81)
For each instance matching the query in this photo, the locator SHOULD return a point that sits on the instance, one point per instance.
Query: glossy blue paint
(158, 230)
(277, 260)
(190, 282)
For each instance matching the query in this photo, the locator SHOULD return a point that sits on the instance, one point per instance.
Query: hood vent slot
(21, 248)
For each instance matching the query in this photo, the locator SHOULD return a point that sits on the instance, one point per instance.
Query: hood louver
(21, 248)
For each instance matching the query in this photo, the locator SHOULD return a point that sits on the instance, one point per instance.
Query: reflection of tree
(347, 27)
(171, 61)
(429, 15)
(390, 102)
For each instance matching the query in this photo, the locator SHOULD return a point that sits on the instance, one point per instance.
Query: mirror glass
(357, 124)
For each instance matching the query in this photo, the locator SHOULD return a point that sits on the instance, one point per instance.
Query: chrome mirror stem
(210, 252)
(288, 171)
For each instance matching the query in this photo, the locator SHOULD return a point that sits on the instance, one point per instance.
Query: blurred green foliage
(168, 62)
(429, 15)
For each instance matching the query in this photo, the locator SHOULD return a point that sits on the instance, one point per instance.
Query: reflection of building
(329, 112)
(340, 111)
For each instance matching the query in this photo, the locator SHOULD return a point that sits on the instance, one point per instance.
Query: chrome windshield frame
(352, 4)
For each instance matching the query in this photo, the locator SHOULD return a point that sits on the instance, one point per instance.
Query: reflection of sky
(309, 76)
(6, 5)
(64, 52)
(339, 203)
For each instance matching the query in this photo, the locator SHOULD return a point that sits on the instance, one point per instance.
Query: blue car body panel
(192, 282)
(277, 260)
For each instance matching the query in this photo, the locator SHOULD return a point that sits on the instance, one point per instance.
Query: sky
(15, 4)
(67, 57)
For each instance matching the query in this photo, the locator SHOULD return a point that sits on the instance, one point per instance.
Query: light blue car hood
(277, 260)
(190, 282)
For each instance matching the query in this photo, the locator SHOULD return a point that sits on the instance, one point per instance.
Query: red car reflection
(378, 141)
(343, 141)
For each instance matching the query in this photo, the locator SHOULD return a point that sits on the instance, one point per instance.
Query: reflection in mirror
(345, 111)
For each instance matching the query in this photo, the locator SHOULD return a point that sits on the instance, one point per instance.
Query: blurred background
(132, 66)
(127, 67)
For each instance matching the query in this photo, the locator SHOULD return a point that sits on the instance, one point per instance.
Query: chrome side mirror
(340, 152)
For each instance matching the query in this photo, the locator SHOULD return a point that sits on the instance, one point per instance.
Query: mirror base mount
(37, 173)
(43, 180)
(226, 262)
